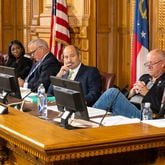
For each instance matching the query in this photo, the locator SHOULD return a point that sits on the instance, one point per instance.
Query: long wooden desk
(26, 139)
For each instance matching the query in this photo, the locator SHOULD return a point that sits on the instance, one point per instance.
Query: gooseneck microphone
(113, 102)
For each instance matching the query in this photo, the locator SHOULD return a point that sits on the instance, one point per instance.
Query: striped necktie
(32, 71)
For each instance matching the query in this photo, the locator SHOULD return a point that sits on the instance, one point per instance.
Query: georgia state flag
(140, 40)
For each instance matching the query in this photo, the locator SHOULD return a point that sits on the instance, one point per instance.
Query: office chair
(107, 80)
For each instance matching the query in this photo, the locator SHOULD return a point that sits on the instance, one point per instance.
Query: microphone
(113, 102)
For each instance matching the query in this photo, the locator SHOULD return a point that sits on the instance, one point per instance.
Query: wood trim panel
(38, 141)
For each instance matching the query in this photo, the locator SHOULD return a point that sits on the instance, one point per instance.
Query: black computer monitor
(8, 83)
(69, 95)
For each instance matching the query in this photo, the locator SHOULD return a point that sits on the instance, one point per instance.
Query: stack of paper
(115, 120)
(156, 122)
(96, 116)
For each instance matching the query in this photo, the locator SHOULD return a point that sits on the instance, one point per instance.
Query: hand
(64, 69)
(141, 88)
(20, 82)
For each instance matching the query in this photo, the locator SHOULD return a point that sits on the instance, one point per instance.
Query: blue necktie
(32, 70)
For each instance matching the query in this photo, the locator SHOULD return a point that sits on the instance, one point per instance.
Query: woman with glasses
(149, 88)
(16, 59)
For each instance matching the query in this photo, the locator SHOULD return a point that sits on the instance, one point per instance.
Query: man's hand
(20, 82)
(64, 69)
(139, 88)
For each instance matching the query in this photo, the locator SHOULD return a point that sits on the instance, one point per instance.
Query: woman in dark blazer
(17, 59)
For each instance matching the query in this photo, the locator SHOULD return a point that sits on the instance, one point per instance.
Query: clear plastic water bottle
(146, 112)
(42, 102)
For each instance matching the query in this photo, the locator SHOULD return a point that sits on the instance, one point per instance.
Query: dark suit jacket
(49, 66)
(154, 96)
(22, 66)
(90, 80)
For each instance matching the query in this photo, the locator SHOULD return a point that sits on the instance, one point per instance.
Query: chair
(107, 80)
(1, 58)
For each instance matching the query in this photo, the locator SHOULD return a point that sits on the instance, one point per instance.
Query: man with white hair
(149, 88)
(45, 65)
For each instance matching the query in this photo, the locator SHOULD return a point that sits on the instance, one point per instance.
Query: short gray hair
(160, 52)
(39, 43)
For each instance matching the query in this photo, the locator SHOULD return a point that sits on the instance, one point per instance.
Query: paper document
(53, 108)
(92, 112)
(83, 123)
(78, 123)
(156, 122)
(24, 92)
(115, 120)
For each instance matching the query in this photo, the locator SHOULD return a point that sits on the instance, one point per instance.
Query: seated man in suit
(45, 65)
(73, 69)
(149, 88)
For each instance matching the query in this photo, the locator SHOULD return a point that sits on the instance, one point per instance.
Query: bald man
(88, 76)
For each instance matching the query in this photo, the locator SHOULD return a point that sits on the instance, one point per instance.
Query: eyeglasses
(151, 63)
(32, 52)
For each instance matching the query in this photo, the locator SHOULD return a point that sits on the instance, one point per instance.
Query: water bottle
(146, 112)
(42, 102)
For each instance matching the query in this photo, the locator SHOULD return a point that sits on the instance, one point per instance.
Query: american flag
(60, 35)
(140, 40)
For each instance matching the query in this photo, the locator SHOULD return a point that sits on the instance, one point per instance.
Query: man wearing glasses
(149, 88)
(44, 66)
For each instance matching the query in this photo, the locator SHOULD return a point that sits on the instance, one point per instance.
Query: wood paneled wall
(11, 24)
(102, 29)
(157, 24)
(113, 38)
